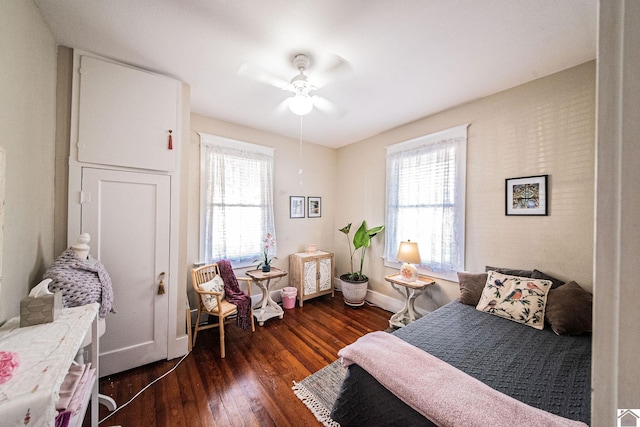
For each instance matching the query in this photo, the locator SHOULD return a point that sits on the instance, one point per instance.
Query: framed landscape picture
(314, 208)
(526, 195)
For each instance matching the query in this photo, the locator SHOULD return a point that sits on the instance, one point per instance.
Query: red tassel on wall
(170, 140)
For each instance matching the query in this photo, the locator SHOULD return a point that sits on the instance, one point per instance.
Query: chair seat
(227, 309)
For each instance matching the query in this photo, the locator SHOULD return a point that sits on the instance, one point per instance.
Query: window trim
(209, 139)
(461, 158)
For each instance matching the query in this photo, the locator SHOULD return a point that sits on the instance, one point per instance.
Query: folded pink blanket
(69, 385)
(443, 394)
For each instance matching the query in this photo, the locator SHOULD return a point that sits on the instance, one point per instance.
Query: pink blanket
(443, 394)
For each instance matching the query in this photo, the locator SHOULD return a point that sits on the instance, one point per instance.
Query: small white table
(409, 291)
(266, 308)
(46, 351)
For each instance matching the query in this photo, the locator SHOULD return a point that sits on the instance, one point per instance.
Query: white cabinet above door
(126, 115)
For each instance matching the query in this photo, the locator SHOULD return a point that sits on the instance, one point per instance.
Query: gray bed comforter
(539, 368)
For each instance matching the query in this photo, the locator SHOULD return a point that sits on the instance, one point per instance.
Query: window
(425, 200)
(236, 200)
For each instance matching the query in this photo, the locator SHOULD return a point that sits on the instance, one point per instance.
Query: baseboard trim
(181, 347)
(375, 298)
(383, 301)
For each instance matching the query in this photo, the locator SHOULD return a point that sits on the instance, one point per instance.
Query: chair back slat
(203, 274)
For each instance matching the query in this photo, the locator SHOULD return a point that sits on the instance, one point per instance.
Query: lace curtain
(425, 199)
(236, 200)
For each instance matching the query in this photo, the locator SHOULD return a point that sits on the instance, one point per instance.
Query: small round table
(266, 308)
(409, 291)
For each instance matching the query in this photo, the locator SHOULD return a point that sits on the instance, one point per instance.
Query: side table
(409, 291)
(266, 308)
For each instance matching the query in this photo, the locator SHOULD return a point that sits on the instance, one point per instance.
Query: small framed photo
(314, 207)
(526, 195)
(296, 207)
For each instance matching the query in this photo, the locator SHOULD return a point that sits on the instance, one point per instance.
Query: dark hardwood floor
(252, 385)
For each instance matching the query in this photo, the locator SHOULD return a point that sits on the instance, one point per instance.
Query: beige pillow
(520, 299)
(214, 285)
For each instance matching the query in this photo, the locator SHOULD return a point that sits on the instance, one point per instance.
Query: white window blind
(236, 200)
(425, 200)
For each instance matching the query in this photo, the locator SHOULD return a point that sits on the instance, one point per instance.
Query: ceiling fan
(302, 101)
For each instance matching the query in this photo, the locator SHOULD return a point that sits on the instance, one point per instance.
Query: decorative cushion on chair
(214, 285)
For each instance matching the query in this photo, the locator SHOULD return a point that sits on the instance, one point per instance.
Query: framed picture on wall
(526, 195)
(296, 207)
(314, 207)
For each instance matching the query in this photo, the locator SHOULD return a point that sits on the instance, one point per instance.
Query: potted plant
(265, 262)
(355, 283)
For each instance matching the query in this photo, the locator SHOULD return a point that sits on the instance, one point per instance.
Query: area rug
(319, 391)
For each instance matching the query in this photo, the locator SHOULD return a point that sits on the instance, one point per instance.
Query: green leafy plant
(361, 241)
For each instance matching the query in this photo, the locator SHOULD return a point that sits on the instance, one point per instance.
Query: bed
(537, 367)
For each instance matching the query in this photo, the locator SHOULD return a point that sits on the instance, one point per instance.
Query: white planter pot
(354, 293)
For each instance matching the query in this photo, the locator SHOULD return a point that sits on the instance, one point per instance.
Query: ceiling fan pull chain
(300, 154)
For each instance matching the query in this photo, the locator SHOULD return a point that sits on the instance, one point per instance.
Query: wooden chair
(223, 309)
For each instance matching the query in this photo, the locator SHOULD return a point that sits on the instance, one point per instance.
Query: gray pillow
(471, 286)
(510, 271)
(569, 310)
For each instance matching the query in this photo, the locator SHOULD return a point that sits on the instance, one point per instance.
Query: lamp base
(409, 272)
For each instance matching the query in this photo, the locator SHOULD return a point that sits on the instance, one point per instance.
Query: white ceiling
(409, 58)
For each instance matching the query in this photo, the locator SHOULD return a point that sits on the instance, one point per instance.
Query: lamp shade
(408, 252)
(300, 104)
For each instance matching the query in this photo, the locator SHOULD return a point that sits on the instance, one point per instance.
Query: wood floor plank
(251, 386)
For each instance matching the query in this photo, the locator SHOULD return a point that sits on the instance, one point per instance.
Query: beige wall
(317, 179)
(64, 82)
(543, 127)
(27, 120)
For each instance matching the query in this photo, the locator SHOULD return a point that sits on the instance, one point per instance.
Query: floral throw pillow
(520, 299)
(214, 285)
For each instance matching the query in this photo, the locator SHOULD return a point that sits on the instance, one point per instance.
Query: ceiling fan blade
(328, 107)
(257, 73)
(337, 69)
(283, 106)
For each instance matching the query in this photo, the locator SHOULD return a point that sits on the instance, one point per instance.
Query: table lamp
(408, 254)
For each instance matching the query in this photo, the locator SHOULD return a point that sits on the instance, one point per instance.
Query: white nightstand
(409, 291)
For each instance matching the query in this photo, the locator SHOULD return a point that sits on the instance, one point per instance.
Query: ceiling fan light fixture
(300, 104)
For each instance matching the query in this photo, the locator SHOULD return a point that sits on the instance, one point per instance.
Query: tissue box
(42, 309)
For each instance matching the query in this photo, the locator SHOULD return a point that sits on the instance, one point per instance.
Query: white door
(127, 215)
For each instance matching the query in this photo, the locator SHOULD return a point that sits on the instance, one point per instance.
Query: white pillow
(214, 285)
(520, 299)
